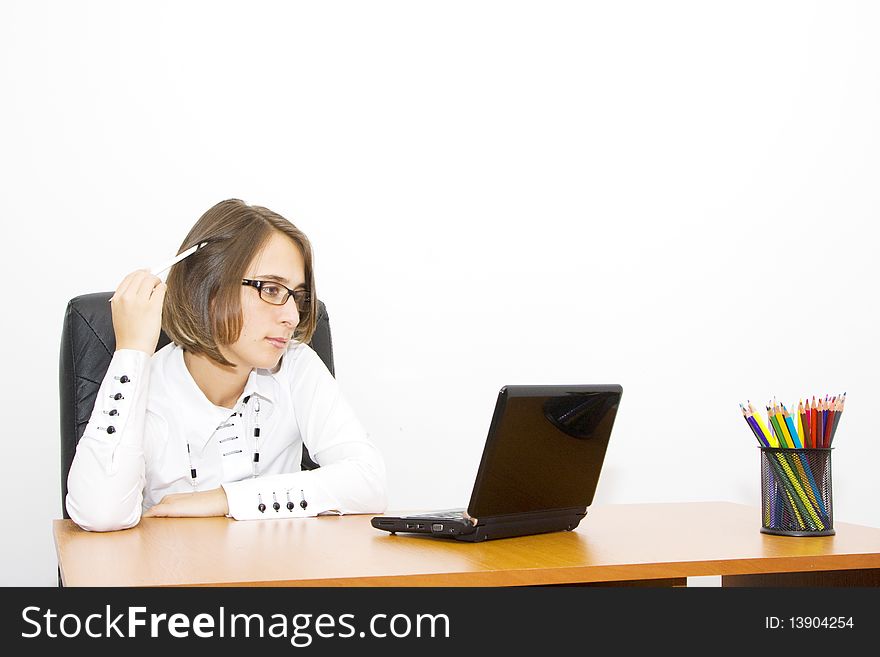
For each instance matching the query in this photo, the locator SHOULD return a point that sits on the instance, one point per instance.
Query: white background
(680, 197)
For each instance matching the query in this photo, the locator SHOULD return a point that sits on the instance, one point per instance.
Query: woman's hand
(191, 505)
(137, 311)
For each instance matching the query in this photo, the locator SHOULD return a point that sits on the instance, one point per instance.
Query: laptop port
(437, 527)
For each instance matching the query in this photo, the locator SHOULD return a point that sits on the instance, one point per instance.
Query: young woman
(214, 423)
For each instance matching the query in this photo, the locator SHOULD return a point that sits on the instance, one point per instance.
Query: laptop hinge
(548, 513)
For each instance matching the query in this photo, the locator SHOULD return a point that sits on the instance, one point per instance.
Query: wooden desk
(633, 544)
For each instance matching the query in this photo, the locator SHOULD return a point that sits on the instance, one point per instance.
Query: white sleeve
(106, 479)
(351, 478)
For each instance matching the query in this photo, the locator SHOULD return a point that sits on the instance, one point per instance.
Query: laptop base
(485, 529)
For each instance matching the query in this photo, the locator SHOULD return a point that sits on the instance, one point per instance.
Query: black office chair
(87, 345)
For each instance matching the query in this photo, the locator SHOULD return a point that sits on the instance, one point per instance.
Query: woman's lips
(277, 343)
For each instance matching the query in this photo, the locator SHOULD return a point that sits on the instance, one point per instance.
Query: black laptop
(540, 465)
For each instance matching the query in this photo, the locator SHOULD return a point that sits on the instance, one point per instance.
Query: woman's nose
(289, 312)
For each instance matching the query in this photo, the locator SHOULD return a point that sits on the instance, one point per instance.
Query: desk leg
(666, 583)
(663, 583)
(863, 577)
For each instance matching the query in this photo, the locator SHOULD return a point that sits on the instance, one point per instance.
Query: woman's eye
(270, 290)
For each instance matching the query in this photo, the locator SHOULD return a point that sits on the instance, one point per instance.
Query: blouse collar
(259, 381)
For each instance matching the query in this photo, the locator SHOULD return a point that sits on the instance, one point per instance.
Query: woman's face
(267, 329)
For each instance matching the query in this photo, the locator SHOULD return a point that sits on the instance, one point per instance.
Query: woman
(214, 423)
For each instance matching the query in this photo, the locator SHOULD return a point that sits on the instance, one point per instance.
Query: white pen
(180, 256)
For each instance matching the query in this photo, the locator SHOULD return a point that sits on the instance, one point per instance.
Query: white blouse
(152, 429)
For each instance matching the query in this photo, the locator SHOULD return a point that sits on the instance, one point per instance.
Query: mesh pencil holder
(796, 492)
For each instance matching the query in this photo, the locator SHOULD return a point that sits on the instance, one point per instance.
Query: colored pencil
(760, 431)
(800, 428)
(753, 426)
(829, 420)
(840, 403)
(804, 416)
(770, 506)
(793, 434)
(823, 417)
(814, 423)
(774, 422)
(771, 441)
(780, 420)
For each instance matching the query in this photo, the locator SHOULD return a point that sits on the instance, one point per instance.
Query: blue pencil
(788, 422)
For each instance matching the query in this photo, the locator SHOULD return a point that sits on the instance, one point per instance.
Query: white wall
(680, 197)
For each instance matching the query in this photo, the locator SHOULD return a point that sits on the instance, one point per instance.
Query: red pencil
(805, 423)
(812, 420)
(814, 427)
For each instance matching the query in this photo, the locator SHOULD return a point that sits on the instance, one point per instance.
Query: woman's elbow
(102, 517)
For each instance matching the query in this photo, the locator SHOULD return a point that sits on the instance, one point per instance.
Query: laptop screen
(545, 448)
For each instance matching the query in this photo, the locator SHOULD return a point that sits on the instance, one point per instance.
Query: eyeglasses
(278, 294)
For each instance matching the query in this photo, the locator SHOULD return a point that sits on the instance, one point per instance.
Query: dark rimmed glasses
(278, 294)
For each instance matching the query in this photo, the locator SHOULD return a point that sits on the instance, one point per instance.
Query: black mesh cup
(796, 492)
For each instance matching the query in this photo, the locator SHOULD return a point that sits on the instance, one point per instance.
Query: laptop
(539, 469)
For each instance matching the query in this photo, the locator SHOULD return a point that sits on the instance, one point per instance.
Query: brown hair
(202, 306)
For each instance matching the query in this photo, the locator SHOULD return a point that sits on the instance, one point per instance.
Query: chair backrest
(87, 345)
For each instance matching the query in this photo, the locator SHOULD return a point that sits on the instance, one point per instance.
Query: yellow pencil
(786, 437)
(771, 422)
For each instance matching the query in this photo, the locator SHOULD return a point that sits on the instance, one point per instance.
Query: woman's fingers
(165, 507)
(137, 311)
(132, 280)
(123, 286)
(158, 511)
(146, 285)
(158, 296)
